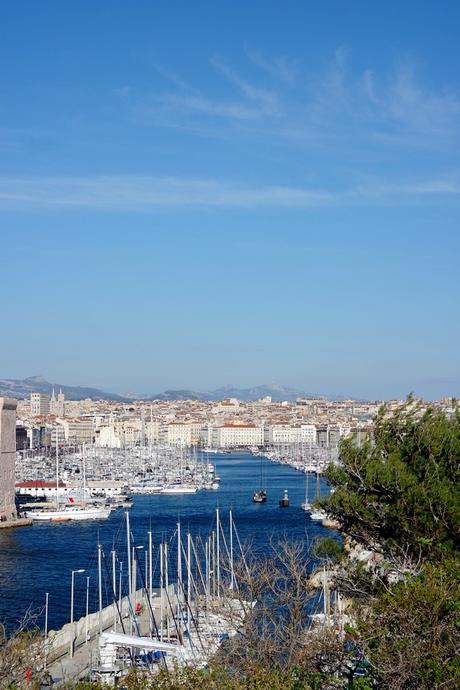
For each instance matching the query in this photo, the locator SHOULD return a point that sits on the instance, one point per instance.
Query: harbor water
(39, 559)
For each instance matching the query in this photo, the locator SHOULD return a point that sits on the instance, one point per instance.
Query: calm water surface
(39, 559)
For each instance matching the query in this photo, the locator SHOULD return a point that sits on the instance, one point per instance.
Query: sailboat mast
(179, 563)
(83, 448)
(114, 586)
(57, 470)
(166, 588)
(150, 572)
(218, 551)
(232, 571)
(99, 574)
(161, 589)
(128, 549)
(189, 578)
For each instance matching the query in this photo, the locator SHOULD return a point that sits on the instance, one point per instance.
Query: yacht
(70, 513)
(179, 489)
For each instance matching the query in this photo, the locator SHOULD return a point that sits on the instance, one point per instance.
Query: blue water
(39, 559)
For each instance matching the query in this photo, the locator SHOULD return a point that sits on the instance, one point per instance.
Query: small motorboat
(260, 496)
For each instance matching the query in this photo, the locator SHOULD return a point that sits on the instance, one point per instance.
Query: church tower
(60, 404)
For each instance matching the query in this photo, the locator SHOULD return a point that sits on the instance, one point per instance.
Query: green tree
(328, 548)
(410, 635)
(400, 493)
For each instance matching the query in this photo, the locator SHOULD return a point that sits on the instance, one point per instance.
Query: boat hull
(69, 515)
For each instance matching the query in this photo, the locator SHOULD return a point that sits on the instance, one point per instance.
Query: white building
(282, 433)
(37, 488)
(39, 403)
(177, 433)
(58, 434)
(106, 436)
(181, 433)
(238, 435)
(78, 430)
(152, 431)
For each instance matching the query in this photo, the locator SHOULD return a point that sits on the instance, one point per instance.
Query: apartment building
(279, 434)
(78, 430)
(39, 403)
(177, 434)
(238, 435)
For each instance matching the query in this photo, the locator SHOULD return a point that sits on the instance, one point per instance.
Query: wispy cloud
(267, 100)
(409, 103)
(387, 106)
(206, 106)
(280, 69)
(145, 193)
(375, 190)
(172, 108)
(338, 105)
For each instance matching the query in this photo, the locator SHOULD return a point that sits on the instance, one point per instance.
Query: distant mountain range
(275, 391)
(22, 388)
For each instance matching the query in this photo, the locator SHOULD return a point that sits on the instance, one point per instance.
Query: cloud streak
(266, 100)
(144, 193)
(207, 106)
(336, 106)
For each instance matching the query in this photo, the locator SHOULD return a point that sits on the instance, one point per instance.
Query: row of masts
(147, 469)
(190, 571)
(303, 456)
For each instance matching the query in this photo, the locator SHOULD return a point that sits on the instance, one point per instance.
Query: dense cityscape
(229, 423)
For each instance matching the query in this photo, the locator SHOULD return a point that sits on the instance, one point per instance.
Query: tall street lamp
(87, 612)
(72, 630)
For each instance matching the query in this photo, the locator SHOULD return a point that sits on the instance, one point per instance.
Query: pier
(73, 651)
(17, 522)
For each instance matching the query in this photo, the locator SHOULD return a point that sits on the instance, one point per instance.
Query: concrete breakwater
(70, 653)
(17, 522)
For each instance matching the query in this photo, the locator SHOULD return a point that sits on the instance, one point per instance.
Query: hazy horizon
(429, 390)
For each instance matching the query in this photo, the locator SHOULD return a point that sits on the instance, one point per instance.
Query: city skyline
(197, 196)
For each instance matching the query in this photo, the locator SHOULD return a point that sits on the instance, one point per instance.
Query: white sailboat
(70, 512)
(317, 513)
(306, 505)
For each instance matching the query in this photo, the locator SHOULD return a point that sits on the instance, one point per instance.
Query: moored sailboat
(306, 505)
(71, 511)
(260, 496)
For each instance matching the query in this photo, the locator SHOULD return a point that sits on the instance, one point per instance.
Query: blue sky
(194, 194)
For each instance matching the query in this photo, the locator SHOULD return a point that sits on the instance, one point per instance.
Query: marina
(38, 560)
